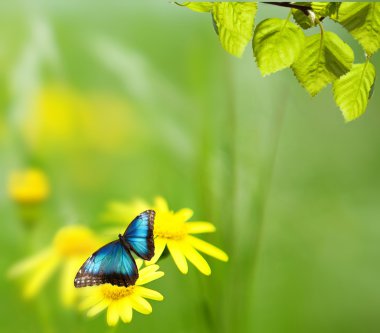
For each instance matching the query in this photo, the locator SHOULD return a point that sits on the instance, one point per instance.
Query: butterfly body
(113, 263)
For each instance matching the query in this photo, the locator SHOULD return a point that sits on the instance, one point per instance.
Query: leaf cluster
(316, 60)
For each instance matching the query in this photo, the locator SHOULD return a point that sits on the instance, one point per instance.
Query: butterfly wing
(139, 235)
(112, 263)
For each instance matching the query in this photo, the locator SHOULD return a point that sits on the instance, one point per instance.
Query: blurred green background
(117, 100)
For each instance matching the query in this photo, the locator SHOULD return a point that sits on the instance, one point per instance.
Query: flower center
(115, 292)
(75, 241)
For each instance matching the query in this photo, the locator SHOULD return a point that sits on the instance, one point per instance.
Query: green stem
(320, 27)
(230, 318)
(231, 150)
(206, 309)
(222, 317)
(256, 245)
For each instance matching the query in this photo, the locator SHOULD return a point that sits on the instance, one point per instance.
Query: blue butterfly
(113, 263)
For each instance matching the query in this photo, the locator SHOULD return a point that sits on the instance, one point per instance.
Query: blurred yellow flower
(172, 230)
(28, 187)
(60, 114)
(120, 301)
(70, 247)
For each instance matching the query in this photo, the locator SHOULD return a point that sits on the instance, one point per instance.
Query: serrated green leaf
(362, 20)
(304, 21)
(309, 18)
(234, 23)
(276, 44)
(324, 9)
(324, 59)
(352, 91)
(200, 7)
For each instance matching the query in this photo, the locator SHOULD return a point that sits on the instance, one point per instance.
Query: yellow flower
(28, 187)
(71, 246)
(172, 230)
(120, 301)
(58, 114)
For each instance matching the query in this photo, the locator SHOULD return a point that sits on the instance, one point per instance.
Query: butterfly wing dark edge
(149, 237)
(86, 279)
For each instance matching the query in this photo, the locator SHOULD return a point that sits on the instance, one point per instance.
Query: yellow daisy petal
(148, 293)
(159, 247)
(140, 304)
(148, 270)
(68, 291)
(29, 263)
(113, 313)
(161, 205)
(139, 262)
(195, 258)
(91, 301)
(177, 255)
(183, 214)
(149, 278)
(207, 248)
(126, 312)
(37, 280)
(199, 227)
(99, 307)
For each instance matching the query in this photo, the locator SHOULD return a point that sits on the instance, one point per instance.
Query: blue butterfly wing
(112, 263)
(139, 235)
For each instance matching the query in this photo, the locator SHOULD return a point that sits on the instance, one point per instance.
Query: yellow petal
(139, 262)
(159, 247)
(149, 269)
(183, 214)
(196, 259)
(126, 311)
(148, 278)
(149, 293)
(113, 313)
(207, 248)
(38, 279)
(68, 291)
(99, 307)
(199, 227)
(140, 304)
(177, 255)
(29, 263)
(160, 205)
(91, 300)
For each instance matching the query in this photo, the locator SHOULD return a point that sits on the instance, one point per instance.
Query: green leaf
(200, 7)
(352, 91)
(276, 44)
(324, 58)
(362, 20)
(234, 23)
(304, 21)
(314, 11)
(324, 9)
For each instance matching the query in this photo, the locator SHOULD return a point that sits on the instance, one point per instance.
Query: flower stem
(255, 246)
